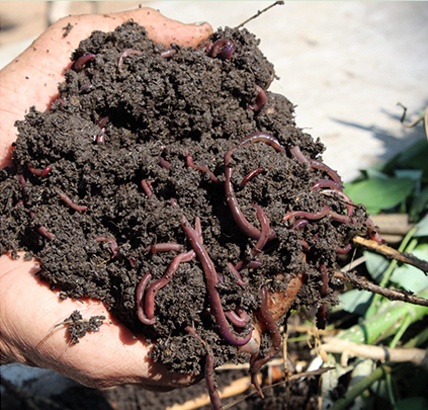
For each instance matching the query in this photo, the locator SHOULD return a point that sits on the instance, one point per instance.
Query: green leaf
(422, 227)
(419, 204)
(409, 277)
(377, 193)
(414, 174)
(355, 301)
(386, 321)
(376, 264)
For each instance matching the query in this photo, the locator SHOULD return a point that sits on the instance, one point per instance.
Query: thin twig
(353, 264)
(351, 349)
(410, 124)
(391, 294)
(391, 253)
(277, 3)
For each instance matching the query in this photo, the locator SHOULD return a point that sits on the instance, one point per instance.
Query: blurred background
(345, 65)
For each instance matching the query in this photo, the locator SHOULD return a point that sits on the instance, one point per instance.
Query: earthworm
(322, 309)
(126, 53)
(165, 247)
(240, 219)
(263, 137)
(298, 154)
(326, 183)
(323, 167)
(321, 316)
(248, 264)
(81, 62)
(250, 176)
(222, 49)
(265, 230)
(239, 280)
(22, 181)
(261, 100)
(191, 164)
(44, 231)
(40, 172)
(113, 244)
(238, 317)
(299, 223)
(313, 163)
(146, 188)
(139, 296)
(308, 215)
(100, 137)
(149, 299)
(232, 201)
(345, 219)
(209, 373)
(211, 281)
(102, 122)
(70, 203)
(132, 261)
(324, 279)
(346, 249)
(373, 231)
(269, 323)
(305, 245)
(168, 53)
(164, 163)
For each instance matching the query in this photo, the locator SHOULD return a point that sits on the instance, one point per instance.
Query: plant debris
(77, 327)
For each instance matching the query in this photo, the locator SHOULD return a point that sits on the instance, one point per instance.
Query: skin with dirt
(144, 143)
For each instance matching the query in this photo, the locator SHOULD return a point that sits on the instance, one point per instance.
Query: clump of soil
(133, 151)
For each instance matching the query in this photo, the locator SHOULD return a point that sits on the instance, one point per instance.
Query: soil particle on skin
(107, 172)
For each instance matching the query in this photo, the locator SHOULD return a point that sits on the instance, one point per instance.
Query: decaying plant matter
(174, 186)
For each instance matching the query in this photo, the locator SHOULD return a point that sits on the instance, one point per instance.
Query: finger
(33, 77)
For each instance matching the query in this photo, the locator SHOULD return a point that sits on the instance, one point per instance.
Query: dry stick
(391, 294)
(423, 117)
(277, 3)
(392, 253)
(351, 349)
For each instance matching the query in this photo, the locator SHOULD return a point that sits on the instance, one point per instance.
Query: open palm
(29, 310)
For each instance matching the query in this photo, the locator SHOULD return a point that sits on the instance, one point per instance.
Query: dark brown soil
(116, 125)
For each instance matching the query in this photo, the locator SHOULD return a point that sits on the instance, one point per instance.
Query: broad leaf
(355, 301)
(377, 193)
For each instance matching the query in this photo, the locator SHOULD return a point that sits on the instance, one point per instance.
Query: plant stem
(371, 311)
(344, 402)
(406, 323)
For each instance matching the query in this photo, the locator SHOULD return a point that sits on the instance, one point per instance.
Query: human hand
(29, 309)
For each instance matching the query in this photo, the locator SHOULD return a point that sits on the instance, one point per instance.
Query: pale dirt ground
(344, 64)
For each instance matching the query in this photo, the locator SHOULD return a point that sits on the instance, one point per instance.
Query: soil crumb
(171, 184)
